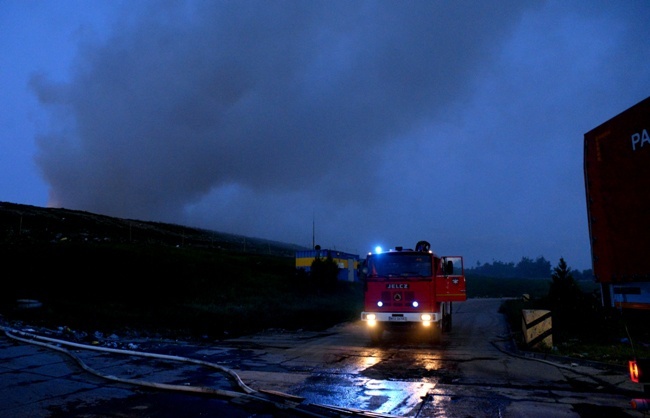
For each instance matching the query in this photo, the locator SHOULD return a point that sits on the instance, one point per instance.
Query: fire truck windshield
(399, 265)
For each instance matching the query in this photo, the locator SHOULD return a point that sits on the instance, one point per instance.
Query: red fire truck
(411, 289)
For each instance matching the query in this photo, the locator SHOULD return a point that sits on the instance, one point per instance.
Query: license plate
(397, 318)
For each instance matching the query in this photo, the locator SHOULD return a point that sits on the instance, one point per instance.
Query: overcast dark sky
(379, 122)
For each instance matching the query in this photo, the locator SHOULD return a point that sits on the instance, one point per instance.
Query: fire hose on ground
(272, 399)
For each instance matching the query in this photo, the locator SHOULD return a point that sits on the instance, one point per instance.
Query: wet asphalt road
(475, 372)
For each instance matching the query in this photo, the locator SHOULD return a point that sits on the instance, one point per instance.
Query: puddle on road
(409, 366)
(354, 391)
(391, 380)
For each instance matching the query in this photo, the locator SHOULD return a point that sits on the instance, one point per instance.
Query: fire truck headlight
(425, 317)
(380, 304)
(371, 317)
(415, 304)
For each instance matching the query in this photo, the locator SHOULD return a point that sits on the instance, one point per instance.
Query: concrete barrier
(537, 326)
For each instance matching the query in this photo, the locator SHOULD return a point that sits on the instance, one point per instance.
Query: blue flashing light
(378, 249)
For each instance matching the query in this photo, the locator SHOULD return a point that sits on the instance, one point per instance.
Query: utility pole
(313, 231)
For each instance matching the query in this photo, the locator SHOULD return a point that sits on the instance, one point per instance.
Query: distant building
(348, 263)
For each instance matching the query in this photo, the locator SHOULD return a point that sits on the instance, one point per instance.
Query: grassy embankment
(186, 291)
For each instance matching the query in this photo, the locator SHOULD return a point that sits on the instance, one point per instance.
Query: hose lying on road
(36, 339)
(272, 398)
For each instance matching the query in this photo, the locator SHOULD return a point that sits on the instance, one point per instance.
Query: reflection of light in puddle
(399, 397)
(366, 362)
(394, 397)
(427, 363)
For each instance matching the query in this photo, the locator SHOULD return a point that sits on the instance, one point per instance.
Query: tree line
(540, 268)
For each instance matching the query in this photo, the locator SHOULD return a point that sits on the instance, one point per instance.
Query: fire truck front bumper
(373, 318)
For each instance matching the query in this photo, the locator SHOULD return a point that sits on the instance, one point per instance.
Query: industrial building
(348, 263)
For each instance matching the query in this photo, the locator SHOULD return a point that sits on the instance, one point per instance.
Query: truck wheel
(376, 334)
(436, 334)
(446, 319)
(446, 323)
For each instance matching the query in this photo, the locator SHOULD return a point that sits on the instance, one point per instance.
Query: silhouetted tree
(564, 290)
(526, 268)
(538, 269)
(584, 275)
(574, 311)
(324, 272)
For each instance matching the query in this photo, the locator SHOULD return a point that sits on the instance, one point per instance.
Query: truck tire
(375, 334)
(436, 334)
(446, 319)
(446, 323)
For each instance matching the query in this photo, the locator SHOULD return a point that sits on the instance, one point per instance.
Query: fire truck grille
(397, 298)
(386, 298)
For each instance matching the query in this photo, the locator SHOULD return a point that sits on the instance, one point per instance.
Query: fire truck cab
(411, 289)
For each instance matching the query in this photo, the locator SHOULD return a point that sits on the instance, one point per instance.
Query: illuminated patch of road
(380, 396)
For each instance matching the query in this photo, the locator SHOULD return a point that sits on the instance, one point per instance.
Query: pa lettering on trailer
(640, 139)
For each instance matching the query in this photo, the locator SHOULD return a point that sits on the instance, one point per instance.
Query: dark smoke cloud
(375, 122)
(188, 97)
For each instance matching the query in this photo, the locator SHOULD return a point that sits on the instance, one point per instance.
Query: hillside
(25, 223)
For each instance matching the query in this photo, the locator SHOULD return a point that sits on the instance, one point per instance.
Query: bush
(575, 313)
(324, 273)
